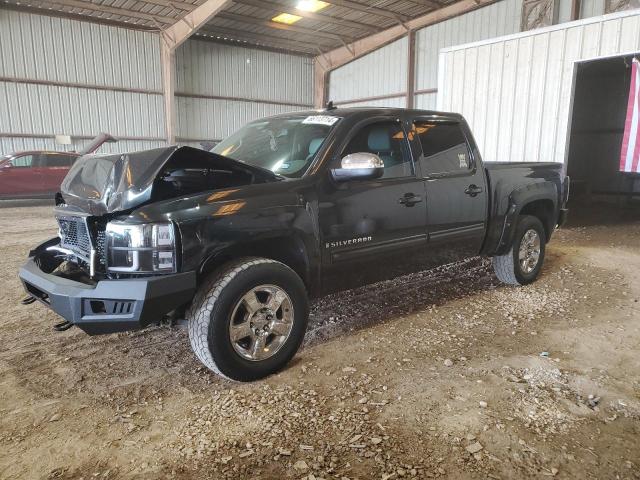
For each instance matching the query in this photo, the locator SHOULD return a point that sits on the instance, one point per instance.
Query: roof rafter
(257, 39)
(186, 26)
(121, 12)
(381, 12)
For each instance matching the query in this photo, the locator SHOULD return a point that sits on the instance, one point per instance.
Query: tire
(508, 267)
(220, 302)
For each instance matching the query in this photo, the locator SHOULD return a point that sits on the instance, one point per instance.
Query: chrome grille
(74, 236)
(101, 246)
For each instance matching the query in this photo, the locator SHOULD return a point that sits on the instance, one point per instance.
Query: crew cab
(290, 207)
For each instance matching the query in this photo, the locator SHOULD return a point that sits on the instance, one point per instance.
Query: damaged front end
(105, 274)
(100, 190)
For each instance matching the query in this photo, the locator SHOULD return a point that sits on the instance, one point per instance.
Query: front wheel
(249, 319)
(522, 263)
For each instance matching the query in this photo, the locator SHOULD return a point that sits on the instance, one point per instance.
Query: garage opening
(597, 129)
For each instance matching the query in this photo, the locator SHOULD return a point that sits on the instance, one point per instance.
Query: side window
(26, 161)
(387, 140)
(444, 147)
(57, 160)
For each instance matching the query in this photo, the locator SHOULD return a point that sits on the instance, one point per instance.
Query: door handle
(409, 199)
(473, 190)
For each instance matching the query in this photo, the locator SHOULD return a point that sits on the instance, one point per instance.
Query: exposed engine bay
(102, 184)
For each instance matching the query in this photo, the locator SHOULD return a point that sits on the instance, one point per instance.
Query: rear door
(54, 167)
(456, 190)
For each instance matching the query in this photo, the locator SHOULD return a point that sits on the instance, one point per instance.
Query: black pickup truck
(236, 240)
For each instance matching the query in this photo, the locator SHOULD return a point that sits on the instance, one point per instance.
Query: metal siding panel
(48, 109)
(610, 41)
(564, 11)
(40, 48)
(526, 97)
(217, 69)
(591, 8)
(53, 49)
(216, 119)
(522, 84)
(381, 72)
(399, 102)
(507, 101)
(500, 18)
(426, 101)
(551, 101)
(492, 119)
(17, 144)
(537, 85)
(480, 100)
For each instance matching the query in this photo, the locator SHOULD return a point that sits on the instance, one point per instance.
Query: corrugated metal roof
(249, 21)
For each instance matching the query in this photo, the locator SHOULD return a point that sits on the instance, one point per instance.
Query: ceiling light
(311, 5)
(286, 18)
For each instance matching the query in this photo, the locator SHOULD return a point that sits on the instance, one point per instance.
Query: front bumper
(110, 305)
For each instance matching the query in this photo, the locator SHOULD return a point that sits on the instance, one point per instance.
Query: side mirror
(6, 166)
(359, 166)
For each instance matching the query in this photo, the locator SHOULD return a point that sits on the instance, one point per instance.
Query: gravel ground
(442, 374)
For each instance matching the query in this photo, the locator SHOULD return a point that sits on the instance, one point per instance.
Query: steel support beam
(180, 31)
(411, 68)
(342, 55)
(575, 9)
(172, 37)
(167, 63)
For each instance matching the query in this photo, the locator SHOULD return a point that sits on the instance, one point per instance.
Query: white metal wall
(516, 91)
(60, 76)
(497, 19)
(220, 87)
(382, 72)
(591, 8)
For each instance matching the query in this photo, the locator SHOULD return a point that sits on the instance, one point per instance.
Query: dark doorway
(600, 193)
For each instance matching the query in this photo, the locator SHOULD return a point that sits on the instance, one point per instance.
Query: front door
(20, 177)
(373, 229)
(456, 190)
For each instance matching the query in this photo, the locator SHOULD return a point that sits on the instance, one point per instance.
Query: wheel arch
(539, 200)
(289, 250)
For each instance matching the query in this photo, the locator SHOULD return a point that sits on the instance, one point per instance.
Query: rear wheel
(249, 319)
(522, 263)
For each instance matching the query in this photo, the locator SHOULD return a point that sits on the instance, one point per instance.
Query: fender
(288, 236)
(518, 199)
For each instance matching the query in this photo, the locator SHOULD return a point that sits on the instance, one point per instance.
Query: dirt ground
(443, 374)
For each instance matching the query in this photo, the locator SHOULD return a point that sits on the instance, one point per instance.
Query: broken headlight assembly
(143, 248)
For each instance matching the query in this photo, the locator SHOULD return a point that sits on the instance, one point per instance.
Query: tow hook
(61, 327)
(28, 300)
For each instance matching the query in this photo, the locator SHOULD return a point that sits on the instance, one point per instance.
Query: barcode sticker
(321, 120)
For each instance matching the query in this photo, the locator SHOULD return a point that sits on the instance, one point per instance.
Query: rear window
(56, 160)
(444, 147)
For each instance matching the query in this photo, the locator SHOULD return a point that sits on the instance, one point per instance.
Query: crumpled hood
(101, 184)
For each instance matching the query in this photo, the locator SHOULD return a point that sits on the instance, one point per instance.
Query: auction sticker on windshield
(321, 120)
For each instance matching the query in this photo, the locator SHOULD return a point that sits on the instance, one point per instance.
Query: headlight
(143, 248)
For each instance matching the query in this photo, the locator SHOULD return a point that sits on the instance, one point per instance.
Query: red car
(38, 173)
(33, 174)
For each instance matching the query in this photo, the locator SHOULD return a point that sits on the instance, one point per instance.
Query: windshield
(284, 145)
